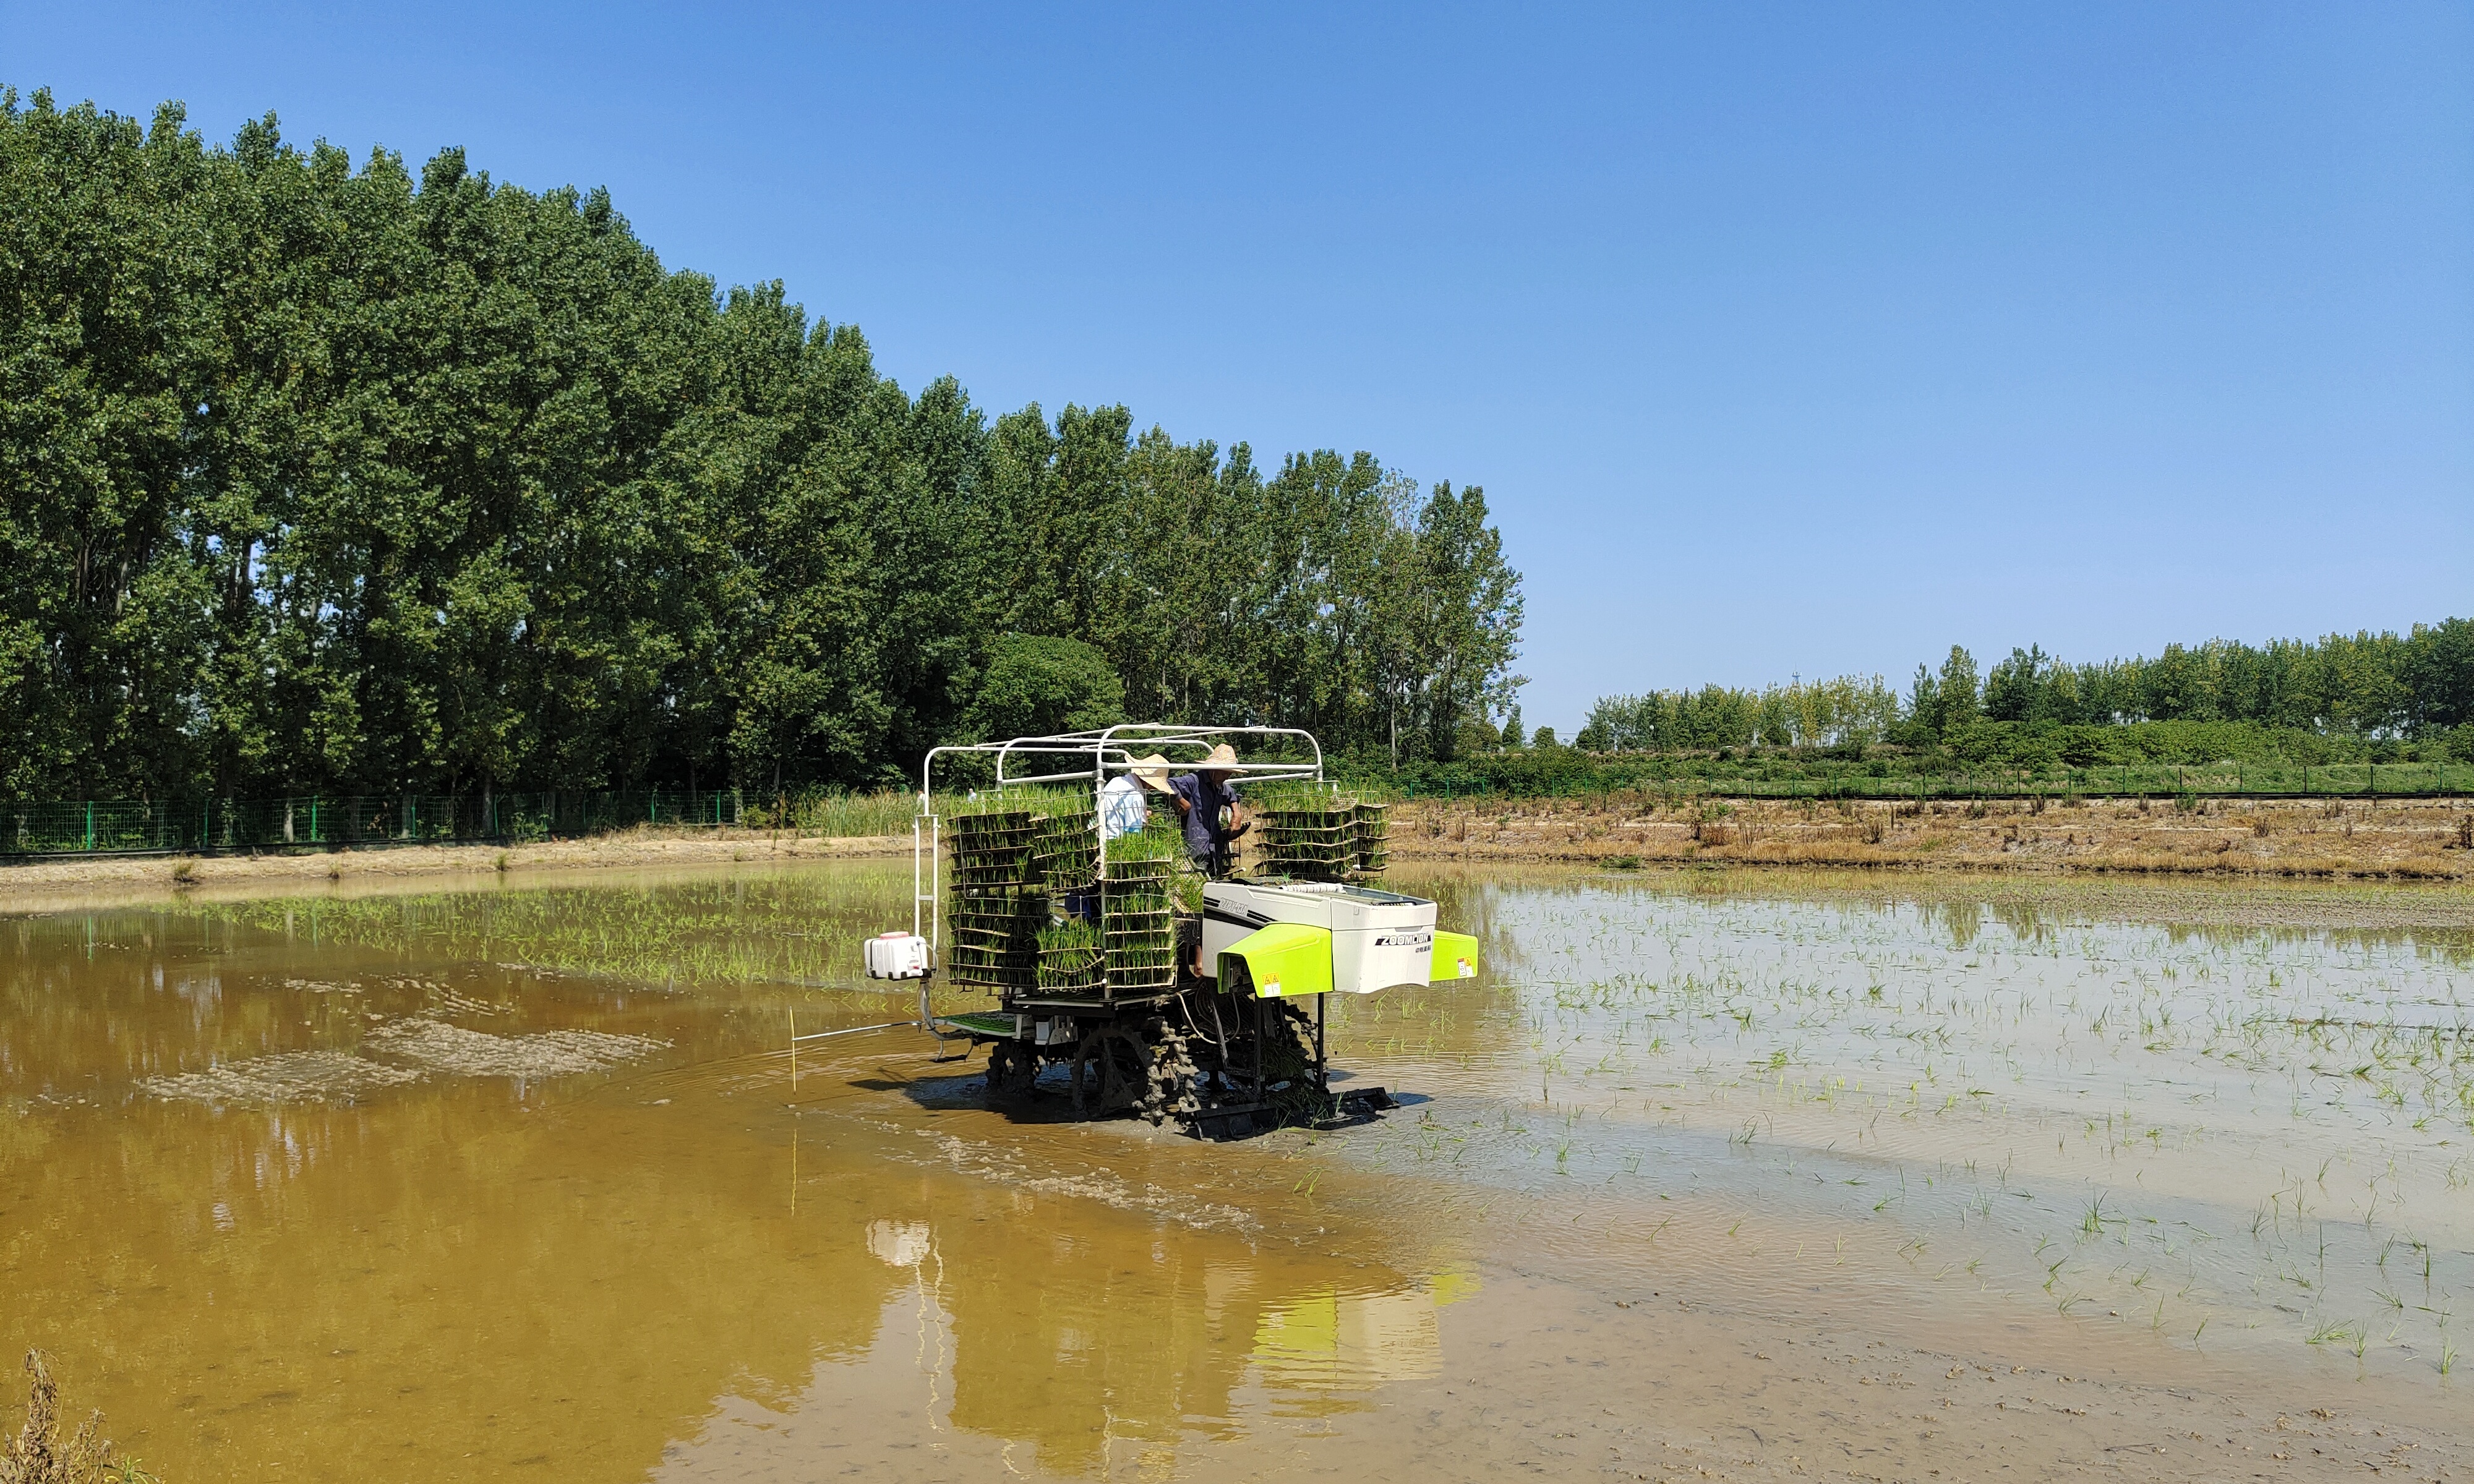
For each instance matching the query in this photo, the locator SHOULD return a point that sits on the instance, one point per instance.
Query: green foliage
(353, 479)
(1034, 686)
(2036, 751)
(2031, 708)
(1850, 709)
(2361, 683)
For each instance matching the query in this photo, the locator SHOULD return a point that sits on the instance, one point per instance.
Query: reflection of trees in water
(794, 924)
(2428, 923)
(405, 1290)
(1958, 919)
(461, 1273)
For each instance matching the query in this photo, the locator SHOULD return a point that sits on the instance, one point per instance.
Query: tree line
(2371, 686)
(336, 478)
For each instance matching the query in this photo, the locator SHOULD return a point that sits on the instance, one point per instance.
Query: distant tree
(1955, 691)
(2440, 674)
(1544, 740)
(1040, 686)
(1514, 739)
(2377, 686)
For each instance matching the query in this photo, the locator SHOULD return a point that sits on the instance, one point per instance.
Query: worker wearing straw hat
(1123, 808)
(1200, 797)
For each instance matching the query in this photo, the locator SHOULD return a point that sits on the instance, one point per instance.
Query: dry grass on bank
(40, 1455)
(31, 882)
(2390, 839)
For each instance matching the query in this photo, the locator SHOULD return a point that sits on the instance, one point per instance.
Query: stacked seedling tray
(1069, 960)
(1371, 829)
(1138, 917)
(1311, 836)
(998, 900)
(1067, 855)
(995, 853)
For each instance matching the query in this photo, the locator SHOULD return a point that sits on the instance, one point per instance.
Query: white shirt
(1122, 809)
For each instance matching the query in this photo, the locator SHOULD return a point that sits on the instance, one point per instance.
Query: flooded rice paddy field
(1705, 1176)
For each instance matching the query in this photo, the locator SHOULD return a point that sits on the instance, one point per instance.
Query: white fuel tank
(896, 956)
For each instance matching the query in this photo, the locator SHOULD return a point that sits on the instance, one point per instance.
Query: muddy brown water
(1705, 1177)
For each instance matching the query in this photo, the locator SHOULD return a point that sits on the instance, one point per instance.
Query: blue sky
(1784, 339)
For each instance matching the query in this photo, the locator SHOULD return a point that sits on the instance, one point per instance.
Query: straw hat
(1152, 772)
(1223, 760)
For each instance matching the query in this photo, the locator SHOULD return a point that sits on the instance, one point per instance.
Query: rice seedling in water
(2174, 1074)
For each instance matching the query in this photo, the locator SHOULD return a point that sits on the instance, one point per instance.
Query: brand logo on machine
(1405, 941)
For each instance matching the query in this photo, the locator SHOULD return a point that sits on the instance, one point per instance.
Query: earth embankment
(2391, 839)
(37, 882)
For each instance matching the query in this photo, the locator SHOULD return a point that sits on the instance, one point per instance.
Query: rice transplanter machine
(1153, 989)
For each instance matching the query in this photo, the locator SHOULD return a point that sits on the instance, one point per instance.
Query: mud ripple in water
(292, 1076)
(431, 1046)
(439, 1047)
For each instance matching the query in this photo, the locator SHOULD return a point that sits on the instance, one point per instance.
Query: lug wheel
(1176, 1083)
(1113, 1072)
(1012, 1068)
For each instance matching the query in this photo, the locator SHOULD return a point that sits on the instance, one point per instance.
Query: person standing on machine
(1203, 799)
(1122, 810)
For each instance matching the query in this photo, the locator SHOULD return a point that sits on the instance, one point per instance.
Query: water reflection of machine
(1155, 991)
(1112, 1341)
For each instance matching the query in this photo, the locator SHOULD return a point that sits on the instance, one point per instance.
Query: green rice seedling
(1147, 847)
(837, 814)
(1069, 957)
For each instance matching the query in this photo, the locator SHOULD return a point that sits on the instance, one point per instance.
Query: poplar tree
(340, 478)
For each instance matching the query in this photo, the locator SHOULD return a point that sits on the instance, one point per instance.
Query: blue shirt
(1205, 798)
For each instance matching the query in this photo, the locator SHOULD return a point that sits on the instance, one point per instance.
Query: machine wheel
(1288, 1054)
(1012, 1067)
(1113, 1072)
(1176, 1083)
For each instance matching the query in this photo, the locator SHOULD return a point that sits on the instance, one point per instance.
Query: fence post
(90, 823)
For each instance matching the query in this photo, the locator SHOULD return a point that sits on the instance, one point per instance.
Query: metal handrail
(1107, 754)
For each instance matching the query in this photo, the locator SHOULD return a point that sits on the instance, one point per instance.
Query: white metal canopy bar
(1108, 751)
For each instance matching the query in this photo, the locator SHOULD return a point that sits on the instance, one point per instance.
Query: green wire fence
(315, 821)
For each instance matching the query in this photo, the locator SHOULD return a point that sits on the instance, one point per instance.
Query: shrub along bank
(1979, 757)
